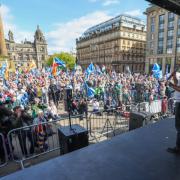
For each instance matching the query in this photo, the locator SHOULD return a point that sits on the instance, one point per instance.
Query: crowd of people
(34, 97)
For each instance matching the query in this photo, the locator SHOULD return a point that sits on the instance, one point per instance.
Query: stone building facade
(116, 43)
(163, 39)
(23, 53)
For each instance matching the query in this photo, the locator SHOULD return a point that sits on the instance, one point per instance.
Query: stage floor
(137, 155)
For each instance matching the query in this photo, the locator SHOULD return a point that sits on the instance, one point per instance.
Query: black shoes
(174, 150)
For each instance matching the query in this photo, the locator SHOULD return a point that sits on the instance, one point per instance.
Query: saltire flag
(156, 67)
(157, 73)
(90, 92)
(90, 69)
(59, 62)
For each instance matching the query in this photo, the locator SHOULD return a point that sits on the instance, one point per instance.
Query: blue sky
(62, 21)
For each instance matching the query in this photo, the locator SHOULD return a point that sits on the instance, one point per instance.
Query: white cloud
(62, 38)
(110, 2)
(106, 2)
(136, 12)
(8, 22)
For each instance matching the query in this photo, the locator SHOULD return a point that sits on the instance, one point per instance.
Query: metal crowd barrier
(36, 140)
(105, 124)
(3, 152)
(29, 142)
(153, 107)
(160, 108)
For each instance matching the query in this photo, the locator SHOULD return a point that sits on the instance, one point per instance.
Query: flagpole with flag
(57, 63)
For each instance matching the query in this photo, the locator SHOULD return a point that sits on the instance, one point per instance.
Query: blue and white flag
(89, 91)
(90, 69)
(156, 68)
(158, 75)
(59, 62)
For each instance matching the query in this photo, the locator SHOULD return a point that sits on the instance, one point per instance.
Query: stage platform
(137, 155)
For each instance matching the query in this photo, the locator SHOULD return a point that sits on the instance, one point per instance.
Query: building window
(170, 24)
(152, 20)
(161, 35)
(178, 49)
(161, 19)
(179, 21)
(170, 33)
(170, 16)
(170, 42)
(161, 26)
(152, 24)
(152, 28)
(178, 32)
(178, 41)
(160, 43)
(169, 50)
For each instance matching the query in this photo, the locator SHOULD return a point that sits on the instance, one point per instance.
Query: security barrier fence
(30, 142)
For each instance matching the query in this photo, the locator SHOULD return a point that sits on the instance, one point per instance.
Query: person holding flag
(57, 63)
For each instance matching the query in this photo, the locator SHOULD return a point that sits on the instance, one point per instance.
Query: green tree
(64, 56)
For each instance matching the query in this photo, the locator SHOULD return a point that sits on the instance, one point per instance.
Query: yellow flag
(12, 67)
(6, 74)
(32, 65)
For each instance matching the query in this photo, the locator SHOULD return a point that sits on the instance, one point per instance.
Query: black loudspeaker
(71, 139)
(139, 119)
(67, 99)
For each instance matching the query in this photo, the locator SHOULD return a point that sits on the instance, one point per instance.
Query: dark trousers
(2, 152)
(22, 135)
(177, 123)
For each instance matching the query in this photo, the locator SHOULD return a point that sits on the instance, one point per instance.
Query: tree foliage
(64, 56)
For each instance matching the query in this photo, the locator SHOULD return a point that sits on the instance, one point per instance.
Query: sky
(62, 21)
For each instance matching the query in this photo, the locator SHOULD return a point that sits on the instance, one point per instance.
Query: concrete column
(164, 65)
(147, 65)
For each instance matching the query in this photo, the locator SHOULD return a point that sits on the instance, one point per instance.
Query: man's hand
(172, 75)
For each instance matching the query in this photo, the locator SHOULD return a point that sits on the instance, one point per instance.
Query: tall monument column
(3, 49)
